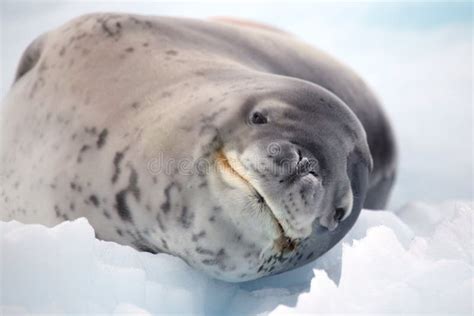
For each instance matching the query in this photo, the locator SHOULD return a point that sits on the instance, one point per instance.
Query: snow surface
(417, 260)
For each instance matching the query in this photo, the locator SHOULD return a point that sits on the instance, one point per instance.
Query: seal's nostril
(303, 166)
(300, 156)
(339, 214)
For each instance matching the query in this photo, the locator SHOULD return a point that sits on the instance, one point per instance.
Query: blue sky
(419, 14)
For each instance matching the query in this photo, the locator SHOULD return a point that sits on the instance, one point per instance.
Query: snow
(415, 260)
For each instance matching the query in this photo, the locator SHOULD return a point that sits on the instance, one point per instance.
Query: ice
(379, 276)
(415, 260)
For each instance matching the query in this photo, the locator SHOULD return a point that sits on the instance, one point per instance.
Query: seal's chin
(232, 172)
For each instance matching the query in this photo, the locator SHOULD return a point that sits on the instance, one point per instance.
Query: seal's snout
(297, 186)
(287, 176)
(291, 161)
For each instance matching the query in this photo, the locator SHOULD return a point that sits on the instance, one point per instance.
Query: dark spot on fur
(117, 160)
(238, 237)
(122, 206)
(219, 260)
(102, 138)
(121, 197)
(57, 211)
(94, 200)
(209, 262)
(171, 52)
(186, 218)
(201, 234)
(129, 49)
(83, 149)
(204, 251)
(133, 184)
(119, 232)
(166, 206)
(76, 187)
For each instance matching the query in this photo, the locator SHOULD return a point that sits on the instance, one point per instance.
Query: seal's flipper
(30, 57)
(247, 23)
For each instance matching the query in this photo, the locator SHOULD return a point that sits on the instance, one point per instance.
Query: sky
(416, 56)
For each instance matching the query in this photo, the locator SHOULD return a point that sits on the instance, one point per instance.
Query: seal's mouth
(283, 243)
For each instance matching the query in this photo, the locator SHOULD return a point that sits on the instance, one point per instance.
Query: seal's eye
(258, 118)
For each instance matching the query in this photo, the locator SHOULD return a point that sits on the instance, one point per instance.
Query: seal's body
(236, 147)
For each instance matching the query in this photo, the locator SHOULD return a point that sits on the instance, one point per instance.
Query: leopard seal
(233, 146)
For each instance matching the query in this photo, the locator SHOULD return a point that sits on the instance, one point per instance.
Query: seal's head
(290, 180)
